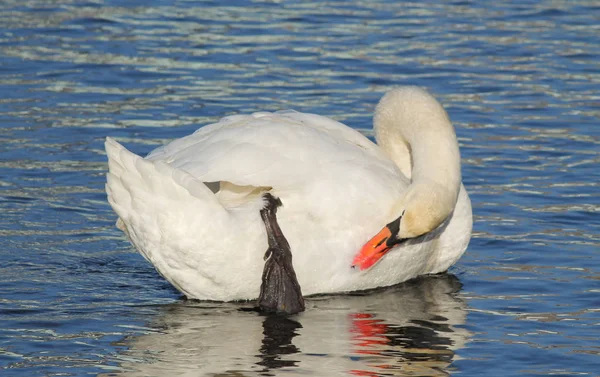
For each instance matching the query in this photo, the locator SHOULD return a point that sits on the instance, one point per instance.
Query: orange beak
(373, 250)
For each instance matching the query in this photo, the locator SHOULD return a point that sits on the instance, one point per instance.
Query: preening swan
(192, 207)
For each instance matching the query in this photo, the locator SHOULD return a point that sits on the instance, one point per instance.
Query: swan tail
(151, 196)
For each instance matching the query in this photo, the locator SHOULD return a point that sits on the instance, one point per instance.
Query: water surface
(519, 79)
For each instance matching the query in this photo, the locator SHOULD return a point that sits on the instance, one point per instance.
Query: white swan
(191, 207)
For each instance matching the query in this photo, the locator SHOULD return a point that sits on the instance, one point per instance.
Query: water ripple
(519, 79)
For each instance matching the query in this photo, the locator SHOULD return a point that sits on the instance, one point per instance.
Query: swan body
(191, 207)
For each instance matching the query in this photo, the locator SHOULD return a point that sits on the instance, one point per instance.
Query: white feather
(338, 190)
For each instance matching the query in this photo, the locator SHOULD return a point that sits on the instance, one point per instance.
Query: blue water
(520, 80)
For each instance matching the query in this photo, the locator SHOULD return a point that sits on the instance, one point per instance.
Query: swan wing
(283, 150)
(165, 212)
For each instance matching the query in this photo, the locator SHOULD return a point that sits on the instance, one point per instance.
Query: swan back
(414, 130)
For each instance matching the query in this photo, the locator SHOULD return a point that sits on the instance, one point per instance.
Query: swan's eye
(394, 228)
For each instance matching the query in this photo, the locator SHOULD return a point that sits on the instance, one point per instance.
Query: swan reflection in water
(410, 329)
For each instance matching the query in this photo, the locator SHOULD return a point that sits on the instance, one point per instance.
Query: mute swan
(191, 207)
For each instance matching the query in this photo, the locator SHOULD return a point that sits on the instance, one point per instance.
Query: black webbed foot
(279, 291)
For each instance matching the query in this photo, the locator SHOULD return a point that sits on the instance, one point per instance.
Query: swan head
(421, 210)
(414, 130)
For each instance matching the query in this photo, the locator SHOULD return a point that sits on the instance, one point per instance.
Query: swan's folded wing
(280, 150)
(147, 195)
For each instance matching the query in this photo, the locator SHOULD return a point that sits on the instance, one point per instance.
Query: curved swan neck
(414, 130)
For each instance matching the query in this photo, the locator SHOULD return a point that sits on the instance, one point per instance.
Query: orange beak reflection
(373, 250)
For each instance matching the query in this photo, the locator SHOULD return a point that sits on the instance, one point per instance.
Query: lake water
(520, 80)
